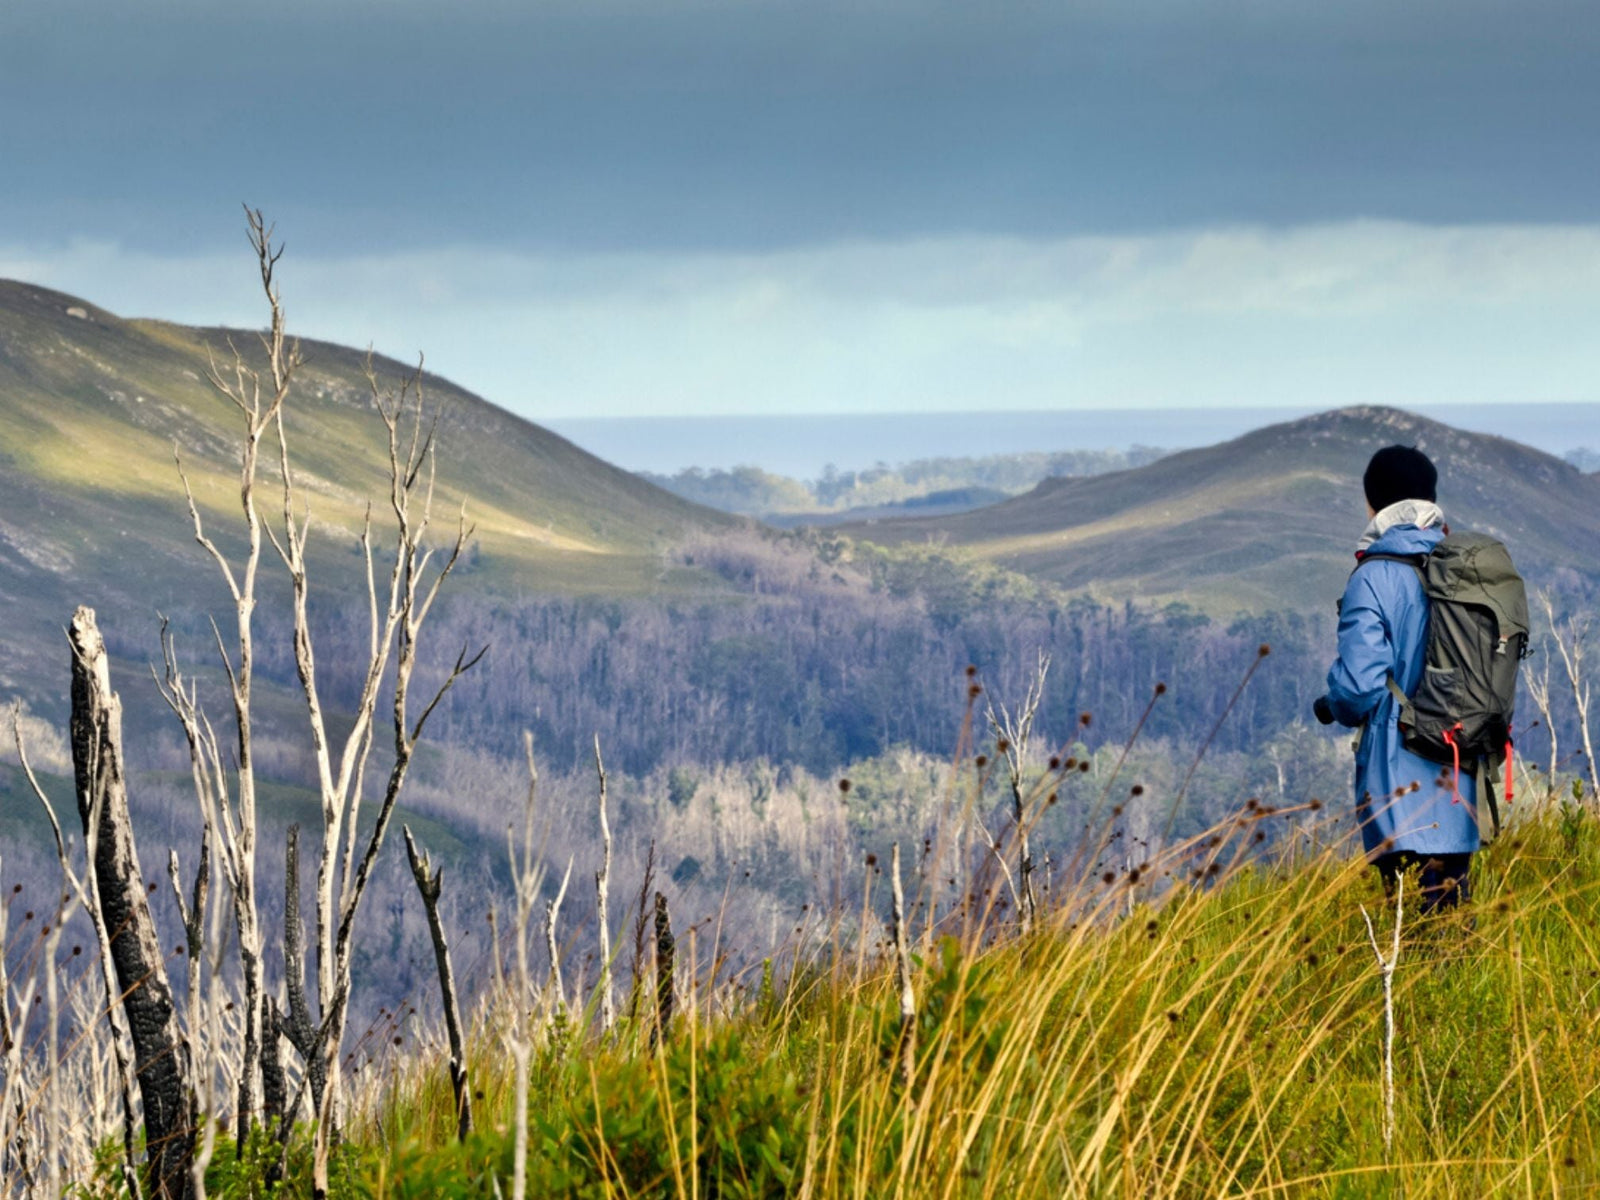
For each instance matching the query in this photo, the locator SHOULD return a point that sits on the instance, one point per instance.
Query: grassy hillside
(1222, 1037)
(1267, 521)
(91, 509)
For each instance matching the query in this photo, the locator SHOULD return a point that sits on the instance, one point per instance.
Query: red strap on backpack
(1455, 751)
(1508, 771)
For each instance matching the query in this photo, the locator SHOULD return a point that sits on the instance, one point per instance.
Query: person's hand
(1322, 710)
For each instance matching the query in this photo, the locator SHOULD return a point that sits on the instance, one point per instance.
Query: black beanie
(1399, 473)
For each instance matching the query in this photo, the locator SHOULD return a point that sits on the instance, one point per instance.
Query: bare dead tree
(395, 626)
(55, 1142)
(10, 1069)
(526, 877)
(192, 912)
(1571, 638)
(220, 823)
(1539, 692)
(86, 894)
(296, 1023)
(552, 908)
(14, 1163)
(602, 884)
(1013, 732)
(429, 885)
(209, 778)
(1000, 861)
(396, 617)
(161, 1054)
(209, 1007)
(259, 400)
(274, 1085)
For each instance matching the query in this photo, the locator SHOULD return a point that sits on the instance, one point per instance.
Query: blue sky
(616, 207)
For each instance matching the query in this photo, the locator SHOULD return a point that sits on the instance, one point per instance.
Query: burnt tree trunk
(296, 1024)
(666, 954)
(160, 1051)
(429, 884)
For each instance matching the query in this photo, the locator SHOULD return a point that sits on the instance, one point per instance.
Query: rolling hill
(1266, 521)
(92, 407)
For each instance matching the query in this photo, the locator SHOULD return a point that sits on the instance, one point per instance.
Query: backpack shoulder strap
(1403, 703)
(1417, 562)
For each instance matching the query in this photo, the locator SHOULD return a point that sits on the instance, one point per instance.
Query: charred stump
(429, 885)
(666, 953)
(160, 1050)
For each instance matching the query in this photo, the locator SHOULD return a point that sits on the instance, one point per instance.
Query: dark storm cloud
(753, 126)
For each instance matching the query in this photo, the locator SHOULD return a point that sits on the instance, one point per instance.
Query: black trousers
(1443, 876)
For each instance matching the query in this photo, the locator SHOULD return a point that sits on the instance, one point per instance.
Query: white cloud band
(1309, 316)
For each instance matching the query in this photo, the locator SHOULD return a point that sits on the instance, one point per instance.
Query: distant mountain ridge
(92, 407)
(1268, 520)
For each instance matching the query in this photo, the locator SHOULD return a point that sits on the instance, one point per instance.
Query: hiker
(1415, 809)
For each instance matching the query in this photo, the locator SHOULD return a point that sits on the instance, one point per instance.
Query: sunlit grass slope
(1224, 1041)
(1266, 521)
(92, 408)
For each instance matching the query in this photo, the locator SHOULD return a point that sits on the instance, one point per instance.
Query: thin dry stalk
(208, 776)
(1087, 850)
(602, 885)
(55, 1122)
(552, 909)
(1177, 801)
(12, 1124)
(908, 995)
(1386, 968)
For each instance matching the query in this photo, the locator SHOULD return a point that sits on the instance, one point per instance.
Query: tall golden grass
(1210, 1026)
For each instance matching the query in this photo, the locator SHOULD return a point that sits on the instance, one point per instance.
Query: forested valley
(726, 723)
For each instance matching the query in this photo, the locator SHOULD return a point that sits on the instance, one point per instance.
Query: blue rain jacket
(1383, 630)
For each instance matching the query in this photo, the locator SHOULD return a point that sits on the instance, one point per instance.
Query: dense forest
(819, 652)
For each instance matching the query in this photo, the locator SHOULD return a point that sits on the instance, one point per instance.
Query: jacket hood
(1406, 539)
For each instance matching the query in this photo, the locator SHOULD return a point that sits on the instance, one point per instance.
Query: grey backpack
(1461, 709)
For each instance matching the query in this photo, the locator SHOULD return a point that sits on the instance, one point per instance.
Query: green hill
(92, 511)
(1266, 521)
